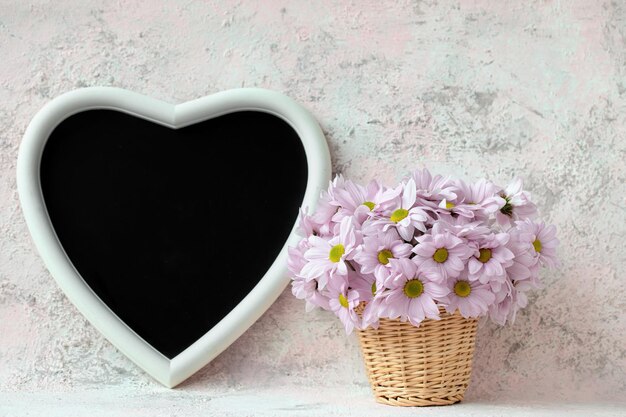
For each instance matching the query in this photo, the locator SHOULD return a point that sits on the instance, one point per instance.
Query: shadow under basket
(419, 366)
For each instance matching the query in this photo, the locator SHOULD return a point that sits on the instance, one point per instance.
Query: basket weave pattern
(419, 366)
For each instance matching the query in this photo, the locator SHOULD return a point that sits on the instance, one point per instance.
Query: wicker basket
(419, 366)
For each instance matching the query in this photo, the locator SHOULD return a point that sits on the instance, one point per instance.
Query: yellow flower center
(336, 252)
(413, 288)
(485, 255)
(343, 301)
(384, 256)
(441, 255)
(462, 289)
(370, 205)
(399, 215)
(450, 205)
(537, 245)
(374, 289)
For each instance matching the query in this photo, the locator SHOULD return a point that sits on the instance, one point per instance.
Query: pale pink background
(470, 88)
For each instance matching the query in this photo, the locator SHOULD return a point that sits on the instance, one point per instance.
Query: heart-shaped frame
(169, 372)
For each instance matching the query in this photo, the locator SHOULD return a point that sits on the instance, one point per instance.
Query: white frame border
(168, 372)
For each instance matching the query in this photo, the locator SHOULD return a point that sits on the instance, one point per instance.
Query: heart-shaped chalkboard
(167, 226)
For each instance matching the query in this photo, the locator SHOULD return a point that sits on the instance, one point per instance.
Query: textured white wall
(482, 88)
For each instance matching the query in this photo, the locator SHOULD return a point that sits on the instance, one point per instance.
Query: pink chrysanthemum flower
(371, 313)
(500, 310)
(327, 207)
(295, 257)
(481, 193)
(358, 201)
(520, 299)
(370, 293)
(471, 232)
(402, 214)
(542, 239)
(374, 255)
(342, 301)
(307, 226)
(514, 204)
(490, 258)
(454, 210)
(524, 264)
(431, 190)
(471, 298)
(302, 288)
(454, 207)
(412, 293)
(442, 251)
(364, 284)
(510, 300)
(327, 257)
(474, 201)
(309, 291)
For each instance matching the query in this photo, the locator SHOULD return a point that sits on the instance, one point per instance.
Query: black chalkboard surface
(172, 228)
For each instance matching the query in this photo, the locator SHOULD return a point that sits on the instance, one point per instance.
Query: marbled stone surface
(535, 89)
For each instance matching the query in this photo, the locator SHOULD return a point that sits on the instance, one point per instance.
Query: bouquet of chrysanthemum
(426, 242)
(429, 246)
